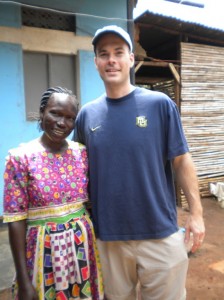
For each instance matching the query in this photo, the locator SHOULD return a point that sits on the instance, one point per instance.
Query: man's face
(113, 59)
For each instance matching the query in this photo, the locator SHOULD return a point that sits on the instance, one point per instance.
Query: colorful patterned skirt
(62, 258)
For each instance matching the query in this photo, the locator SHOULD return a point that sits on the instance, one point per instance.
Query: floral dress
(50, 191)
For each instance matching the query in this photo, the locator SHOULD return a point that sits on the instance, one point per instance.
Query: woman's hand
(17, 239)
(27, 292)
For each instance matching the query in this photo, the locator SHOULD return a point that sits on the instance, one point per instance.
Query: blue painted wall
(14, 127)
(91, 85)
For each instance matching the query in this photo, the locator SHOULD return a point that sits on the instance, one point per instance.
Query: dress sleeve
(84, 159)
(15, 189)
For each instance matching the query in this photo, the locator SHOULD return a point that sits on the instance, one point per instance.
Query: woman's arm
(17, 240)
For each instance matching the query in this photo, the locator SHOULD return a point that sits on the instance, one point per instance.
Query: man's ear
(132, 58)
(95, 61)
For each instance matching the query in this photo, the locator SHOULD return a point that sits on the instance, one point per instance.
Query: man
(135, 142)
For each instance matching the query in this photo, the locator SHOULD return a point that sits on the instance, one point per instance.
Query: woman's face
(58, 118)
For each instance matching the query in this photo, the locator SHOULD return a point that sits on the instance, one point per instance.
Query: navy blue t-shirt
(131, 142)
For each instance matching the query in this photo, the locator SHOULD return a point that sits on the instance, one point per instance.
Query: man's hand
(195, 225)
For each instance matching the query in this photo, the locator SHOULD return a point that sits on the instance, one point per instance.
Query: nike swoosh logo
(95, 128)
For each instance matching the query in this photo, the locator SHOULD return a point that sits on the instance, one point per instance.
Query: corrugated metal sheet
(203, 17)
(178, 26)
(161, 24)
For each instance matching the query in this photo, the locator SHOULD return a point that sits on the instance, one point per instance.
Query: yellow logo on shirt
(141, 121)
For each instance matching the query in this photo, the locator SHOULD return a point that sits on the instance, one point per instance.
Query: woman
(50, 232)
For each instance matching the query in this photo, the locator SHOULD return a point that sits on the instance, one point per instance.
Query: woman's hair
(46, 96)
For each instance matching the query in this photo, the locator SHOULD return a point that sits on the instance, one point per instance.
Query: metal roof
(203, 16)
(162, 27)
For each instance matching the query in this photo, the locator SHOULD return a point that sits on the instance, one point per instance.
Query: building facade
(43, 44)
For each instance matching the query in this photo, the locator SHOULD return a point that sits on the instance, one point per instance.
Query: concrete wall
(14, 39)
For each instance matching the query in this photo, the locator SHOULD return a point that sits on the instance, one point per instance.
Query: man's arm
(187, 179)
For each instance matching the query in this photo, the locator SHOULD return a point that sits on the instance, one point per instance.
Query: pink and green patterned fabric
(50, 191)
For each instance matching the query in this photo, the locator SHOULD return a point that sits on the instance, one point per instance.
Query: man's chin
(112, 80)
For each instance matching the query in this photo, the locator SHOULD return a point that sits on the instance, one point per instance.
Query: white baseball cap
(112, 29)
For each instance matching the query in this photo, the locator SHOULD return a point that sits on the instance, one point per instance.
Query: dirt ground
(205, 279)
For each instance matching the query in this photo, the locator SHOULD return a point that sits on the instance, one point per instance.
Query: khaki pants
(158, 268)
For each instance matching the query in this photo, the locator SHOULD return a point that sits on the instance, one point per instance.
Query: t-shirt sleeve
(78, 131)
(177, 143)
(15, 189)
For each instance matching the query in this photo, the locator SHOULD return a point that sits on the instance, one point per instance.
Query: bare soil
(205, 279)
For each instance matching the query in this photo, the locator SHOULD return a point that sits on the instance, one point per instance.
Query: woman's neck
(52, 146)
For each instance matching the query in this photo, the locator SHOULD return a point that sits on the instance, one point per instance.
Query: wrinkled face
(58, 118)
(113, 59)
